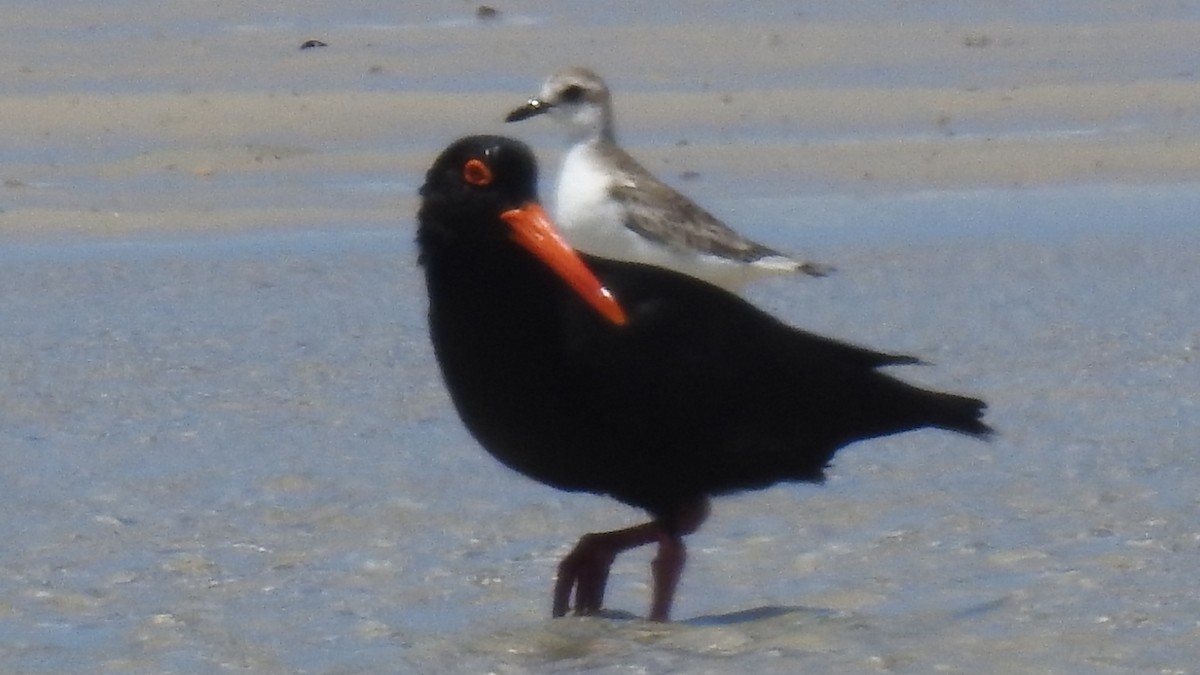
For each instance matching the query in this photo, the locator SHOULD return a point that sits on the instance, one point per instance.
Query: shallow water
(233, 451)
(227, 447)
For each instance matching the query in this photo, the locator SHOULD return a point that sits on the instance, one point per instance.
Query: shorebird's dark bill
(533, 230)
(530, 109)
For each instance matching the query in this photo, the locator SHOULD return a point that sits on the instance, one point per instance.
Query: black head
(479, 202)
(475, 179)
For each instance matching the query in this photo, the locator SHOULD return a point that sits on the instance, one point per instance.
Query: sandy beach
(186, 121)
(227, 446)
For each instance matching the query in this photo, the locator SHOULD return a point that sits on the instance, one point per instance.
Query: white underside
(594, 223)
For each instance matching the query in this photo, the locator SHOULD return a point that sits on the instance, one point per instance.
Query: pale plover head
(577, 98)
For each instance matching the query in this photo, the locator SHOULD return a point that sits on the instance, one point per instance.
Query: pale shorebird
(610, 206)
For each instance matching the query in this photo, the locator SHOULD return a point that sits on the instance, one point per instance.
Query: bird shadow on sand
(734, 618)
(617, 636)
(757, 614)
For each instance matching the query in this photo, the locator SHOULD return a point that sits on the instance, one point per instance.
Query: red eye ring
(477, 173)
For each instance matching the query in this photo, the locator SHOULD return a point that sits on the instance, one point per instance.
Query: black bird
(632, 381)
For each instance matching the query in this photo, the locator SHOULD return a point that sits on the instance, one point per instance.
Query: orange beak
(533, 229)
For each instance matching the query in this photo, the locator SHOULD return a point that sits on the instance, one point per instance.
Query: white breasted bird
(610, 206)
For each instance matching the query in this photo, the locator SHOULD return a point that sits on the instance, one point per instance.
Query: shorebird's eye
(572, 94)
(477, 173)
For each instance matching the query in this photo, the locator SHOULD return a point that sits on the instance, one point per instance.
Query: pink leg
(666, 569)
(585, 569)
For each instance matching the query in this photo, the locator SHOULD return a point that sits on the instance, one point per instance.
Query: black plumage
(684, 392)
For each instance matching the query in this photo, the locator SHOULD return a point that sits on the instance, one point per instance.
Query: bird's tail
(959, 413)
(782, 263)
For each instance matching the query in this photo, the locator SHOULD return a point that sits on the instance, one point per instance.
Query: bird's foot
(584, 572)
(585, 569)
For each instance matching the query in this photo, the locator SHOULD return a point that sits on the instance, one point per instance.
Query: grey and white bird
(609, 205)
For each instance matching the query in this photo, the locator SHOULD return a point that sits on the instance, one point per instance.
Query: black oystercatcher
(611, 206)
(628, 380)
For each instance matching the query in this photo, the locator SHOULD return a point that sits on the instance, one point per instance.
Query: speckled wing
(657, 212)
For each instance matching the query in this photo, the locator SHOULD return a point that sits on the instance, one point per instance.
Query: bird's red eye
(477, 173)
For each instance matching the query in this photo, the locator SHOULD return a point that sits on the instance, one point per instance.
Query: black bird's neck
(493, 281)
(494, 303)
(500, 323)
